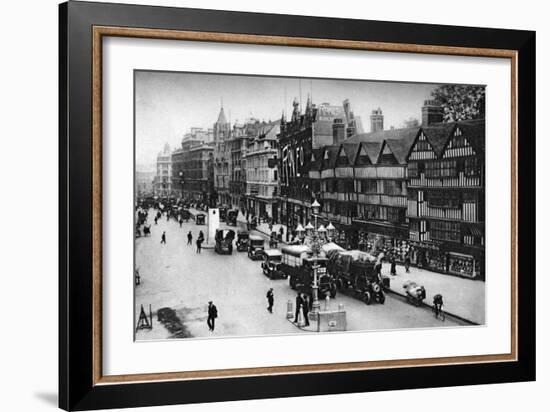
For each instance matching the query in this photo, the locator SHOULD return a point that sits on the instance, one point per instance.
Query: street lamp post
(316, 306)
(181, 181)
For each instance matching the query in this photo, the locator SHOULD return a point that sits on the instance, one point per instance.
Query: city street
(174, 276)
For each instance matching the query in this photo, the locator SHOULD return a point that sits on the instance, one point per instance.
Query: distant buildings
(162, 184)
(193, 165)
(144, 183)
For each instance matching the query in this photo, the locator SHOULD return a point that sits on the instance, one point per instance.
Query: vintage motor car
(185, 215)
(224, 241)
(356, 273)
(415, 293)
(255, 247)
(271, 266)
(242, 241)
(223, 213)
(232, 217)
(200, 219)
(299, 266)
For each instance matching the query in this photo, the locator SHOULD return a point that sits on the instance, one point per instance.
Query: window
(472, 167)
(445, 231)
(444, 199)
(391, 187)
(367, 186)
(412, 170)
(441, 169)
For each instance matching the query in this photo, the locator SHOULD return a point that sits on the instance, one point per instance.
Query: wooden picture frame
(82, 27)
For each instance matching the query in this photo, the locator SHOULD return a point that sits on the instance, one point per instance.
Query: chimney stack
(376, 120)
(431, 113)
(338, 131)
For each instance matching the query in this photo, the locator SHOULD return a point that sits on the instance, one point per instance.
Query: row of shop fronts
(394, 241)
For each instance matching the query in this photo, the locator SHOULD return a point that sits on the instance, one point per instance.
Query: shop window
(442, 230)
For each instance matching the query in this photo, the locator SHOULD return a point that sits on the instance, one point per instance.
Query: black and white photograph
(279, 206)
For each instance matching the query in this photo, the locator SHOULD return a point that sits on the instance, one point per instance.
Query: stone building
(162, 185)
(299, 137)
(222, 158)
(261, 172)
(193, 166)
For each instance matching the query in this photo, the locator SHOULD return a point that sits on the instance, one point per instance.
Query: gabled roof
(373, 150)
(352, 151)
(474, 130)
(381, 135)
(332, 153)
(438, 134)
(401, 147)
(317, 163)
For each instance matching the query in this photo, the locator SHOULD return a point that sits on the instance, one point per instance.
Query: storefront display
(463, 265)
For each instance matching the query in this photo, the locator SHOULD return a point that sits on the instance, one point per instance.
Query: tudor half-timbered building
(446, 197)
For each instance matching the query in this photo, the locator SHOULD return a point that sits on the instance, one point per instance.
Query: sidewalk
(461, 297)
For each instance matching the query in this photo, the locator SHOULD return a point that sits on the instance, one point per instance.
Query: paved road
(174, 275)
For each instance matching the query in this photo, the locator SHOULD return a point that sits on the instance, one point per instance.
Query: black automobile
(271, 266)
(232, 217)
(242, 241)
(223, 213)
(224, 241)
(255, 247)
(200, 219)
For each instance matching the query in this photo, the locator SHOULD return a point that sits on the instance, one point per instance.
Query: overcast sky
(168, 104)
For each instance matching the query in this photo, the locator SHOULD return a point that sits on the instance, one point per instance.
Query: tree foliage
(460, 102)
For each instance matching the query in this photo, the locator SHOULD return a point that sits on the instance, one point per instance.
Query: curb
(426, 306)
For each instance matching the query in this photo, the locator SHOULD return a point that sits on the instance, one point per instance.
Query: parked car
(255, 247)
(271, 266)
(242, 241)
(223, 213)
(200, 219)
(224, 241)
(232, 217)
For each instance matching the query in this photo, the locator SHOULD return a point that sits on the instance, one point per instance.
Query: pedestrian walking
(189, 238)
(270, 300)
(212, 315)
(201, 236)
(181, 221)
(163, 238)
(407, 262)
(393, 270)
(305, 309)
(156, 220)
(199, 245)
(299, 303)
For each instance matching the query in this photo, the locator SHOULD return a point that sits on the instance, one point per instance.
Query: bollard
(301, 321)
(327, 303)
(289, 311)
(340, 307)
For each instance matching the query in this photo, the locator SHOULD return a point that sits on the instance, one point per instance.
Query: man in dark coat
(299, 303)
(393, 269)
(212, 315)
(189, 238)
(305, 307)
(270, 300)
(163, 238)
(199, 244)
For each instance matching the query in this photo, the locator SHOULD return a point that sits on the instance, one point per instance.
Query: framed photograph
(256, 206)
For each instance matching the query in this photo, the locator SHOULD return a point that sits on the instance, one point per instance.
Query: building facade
(162, 184)
(144, 183)
(446, 196)
(222, 159)
(241, 135)
(261, 172)
(299, 139)
(193, 166)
